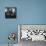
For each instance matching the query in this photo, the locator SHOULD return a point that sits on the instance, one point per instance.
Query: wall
(28, 12)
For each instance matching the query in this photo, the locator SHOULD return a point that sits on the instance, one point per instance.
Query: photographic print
(10, 12)
(29, 34)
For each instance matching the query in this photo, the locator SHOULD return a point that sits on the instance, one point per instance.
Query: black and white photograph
(10, 12)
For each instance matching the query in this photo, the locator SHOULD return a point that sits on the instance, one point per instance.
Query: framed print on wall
(10, 12)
